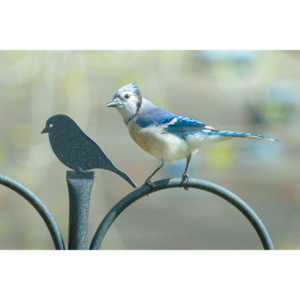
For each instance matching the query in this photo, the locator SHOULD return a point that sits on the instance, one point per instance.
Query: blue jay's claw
(185, 181)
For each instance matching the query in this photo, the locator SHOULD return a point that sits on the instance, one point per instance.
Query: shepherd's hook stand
(80, 186)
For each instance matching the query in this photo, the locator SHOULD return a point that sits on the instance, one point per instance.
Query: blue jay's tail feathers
(245, 135)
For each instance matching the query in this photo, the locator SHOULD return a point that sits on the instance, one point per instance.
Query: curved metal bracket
(208, 186)
(39, 206)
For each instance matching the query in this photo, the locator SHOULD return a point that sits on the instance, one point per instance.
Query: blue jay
(165, 135)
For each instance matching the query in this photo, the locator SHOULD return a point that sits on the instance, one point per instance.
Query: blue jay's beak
(114, 103)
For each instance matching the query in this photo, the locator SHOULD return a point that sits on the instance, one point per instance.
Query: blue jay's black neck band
(138, 107)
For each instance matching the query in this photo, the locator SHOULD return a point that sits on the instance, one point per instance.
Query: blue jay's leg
(148, 181)
(185, 176)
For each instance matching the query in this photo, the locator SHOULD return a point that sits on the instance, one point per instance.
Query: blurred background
(256, 91)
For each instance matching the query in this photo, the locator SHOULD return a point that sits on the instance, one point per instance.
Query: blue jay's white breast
(161, 145)
(167, 146)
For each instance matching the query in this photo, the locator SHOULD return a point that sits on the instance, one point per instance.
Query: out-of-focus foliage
(237, 90)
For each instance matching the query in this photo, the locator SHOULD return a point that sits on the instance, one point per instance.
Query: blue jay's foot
(150, 183)
(185, 180)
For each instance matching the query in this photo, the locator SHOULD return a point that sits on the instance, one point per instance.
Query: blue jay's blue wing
(172, 123)
(183, 125)
(154, 117)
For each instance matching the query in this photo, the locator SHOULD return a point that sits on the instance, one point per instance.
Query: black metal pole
(80, 187)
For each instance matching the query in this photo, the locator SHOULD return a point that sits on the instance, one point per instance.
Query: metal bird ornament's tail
(124, 176)
(107, 164)
(227, 133)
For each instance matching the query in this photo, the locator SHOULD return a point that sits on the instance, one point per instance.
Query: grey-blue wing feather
(182, 126)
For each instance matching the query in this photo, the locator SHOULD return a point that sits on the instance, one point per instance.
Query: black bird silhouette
(75, 149)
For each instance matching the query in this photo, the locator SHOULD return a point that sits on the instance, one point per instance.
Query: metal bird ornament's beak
(114, 103)
(45, 130)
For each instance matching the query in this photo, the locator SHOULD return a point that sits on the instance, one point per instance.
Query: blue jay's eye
(126, 96)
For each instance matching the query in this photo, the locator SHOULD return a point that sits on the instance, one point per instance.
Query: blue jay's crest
(132, 87)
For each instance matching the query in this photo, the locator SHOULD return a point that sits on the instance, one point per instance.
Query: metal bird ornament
(75, 149)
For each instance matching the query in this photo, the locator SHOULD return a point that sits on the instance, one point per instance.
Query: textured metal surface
(80, 188)
(211, 187)
(75, 149)
(39, 206)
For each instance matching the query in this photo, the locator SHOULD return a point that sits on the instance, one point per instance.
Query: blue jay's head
(127, 100)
